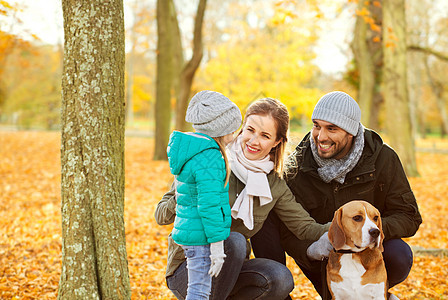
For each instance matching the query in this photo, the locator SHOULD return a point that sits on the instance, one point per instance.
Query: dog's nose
(374, 232)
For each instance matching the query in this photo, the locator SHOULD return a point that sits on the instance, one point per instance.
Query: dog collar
(344, 251)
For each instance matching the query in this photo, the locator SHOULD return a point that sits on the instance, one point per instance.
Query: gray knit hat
(213, 113)
(339, 109)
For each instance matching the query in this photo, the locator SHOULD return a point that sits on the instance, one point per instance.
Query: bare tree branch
(429, 51)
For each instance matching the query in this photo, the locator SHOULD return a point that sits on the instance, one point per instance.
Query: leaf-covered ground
(30, 230)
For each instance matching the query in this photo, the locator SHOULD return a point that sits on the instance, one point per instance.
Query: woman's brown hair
(278, 112)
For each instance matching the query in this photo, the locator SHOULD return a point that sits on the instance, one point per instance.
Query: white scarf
(253, 174)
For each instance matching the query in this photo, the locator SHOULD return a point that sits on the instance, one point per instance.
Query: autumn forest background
(292, 50)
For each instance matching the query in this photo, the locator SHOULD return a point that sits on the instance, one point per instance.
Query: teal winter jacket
(202, 211)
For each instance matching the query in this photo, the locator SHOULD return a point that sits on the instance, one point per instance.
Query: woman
(255, 188)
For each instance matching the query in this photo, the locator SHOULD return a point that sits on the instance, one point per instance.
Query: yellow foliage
(363, 12)
(275, 61)
(390, 45)
(5, 7)
(369, 20)
(377, 3)
(141, 93)
(375, 27)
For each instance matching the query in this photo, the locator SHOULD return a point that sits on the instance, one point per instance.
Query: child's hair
(278, 112)
(222, 147)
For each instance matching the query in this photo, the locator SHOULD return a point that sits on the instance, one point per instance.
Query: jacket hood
(185, 145)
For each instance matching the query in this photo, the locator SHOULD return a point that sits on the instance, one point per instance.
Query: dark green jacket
(378, 178)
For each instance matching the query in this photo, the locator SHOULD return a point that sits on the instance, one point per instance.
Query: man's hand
(216, 257)
(320, 249)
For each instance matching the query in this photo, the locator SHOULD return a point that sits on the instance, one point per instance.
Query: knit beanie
(213, 113)
(339, 109)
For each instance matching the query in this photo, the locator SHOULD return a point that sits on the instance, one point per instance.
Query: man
(336, 162)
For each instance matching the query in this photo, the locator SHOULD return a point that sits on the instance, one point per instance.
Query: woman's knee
(177, 282)
(279, 280)
(235, 246)
(282, 279)
(262, 278)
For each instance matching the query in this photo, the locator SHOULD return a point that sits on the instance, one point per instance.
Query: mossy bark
(94, 258)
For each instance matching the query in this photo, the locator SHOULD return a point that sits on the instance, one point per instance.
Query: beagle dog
(355, 268)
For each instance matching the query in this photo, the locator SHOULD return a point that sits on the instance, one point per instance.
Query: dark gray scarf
(336, 169)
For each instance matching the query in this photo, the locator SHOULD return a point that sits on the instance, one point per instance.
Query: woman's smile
(251, 149)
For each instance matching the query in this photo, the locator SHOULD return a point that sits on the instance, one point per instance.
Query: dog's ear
(336, 234)
(380, 243)
(380, 227)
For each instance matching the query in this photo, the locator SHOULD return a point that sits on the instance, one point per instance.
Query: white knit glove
(217, 258)
(320, 248)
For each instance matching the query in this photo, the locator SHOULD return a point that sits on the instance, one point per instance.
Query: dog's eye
(375, 218)
(357, 218)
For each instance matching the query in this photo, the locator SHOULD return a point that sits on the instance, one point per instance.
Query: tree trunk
(189, 70)
(178, 55)
(395, 84)
(378, 102)
(415, 79)
(94, 258)
(365, 67)
(164, 79)
(367, 50)
(418, 29)
(441, 102)
(438, 90)
(130, 81)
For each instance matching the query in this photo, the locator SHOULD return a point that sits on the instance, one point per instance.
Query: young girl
(199, 162)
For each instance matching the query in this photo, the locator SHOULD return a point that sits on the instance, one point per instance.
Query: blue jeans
(198, 265)
(240, 278)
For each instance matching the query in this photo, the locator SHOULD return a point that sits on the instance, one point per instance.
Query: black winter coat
(378, 178)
